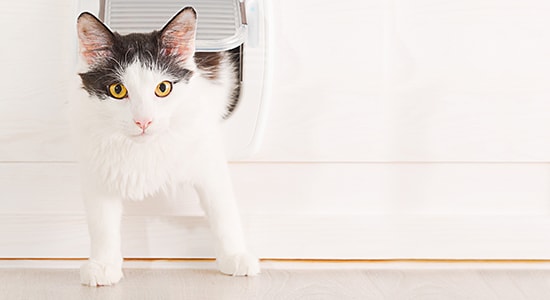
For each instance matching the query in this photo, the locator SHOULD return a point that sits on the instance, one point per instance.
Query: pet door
(235, 25)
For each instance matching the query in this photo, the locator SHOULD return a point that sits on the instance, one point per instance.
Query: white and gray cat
(148, 120)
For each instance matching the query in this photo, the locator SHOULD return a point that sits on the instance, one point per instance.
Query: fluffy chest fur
(136, 171)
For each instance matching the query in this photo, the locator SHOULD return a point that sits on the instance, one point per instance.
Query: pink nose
(143, 124)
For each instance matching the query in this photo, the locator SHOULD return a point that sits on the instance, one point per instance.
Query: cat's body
(148, 123)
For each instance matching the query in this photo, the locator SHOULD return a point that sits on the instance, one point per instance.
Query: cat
(148, 120)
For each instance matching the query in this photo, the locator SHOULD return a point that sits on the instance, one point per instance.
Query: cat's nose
(143, 124)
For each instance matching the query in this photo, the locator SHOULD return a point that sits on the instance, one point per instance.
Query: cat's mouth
(141, 137)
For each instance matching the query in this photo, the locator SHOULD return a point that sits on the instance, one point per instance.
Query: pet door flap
(221, 23)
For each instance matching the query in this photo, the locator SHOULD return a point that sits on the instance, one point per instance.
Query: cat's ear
(178, 35)
(95, 38)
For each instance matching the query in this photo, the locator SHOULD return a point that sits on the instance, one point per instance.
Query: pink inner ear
(178, 37)
(91, 52)
(94, 39)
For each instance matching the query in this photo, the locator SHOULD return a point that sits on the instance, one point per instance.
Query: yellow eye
(163, 89)
(118, 90)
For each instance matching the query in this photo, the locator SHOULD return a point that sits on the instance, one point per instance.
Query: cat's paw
(93, 273)
(241, 264)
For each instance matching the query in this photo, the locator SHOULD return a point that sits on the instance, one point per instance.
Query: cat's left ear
(95, 38)
(178, 35)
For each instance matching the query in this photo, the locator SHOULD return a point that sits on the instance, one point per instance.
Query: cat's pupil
(162, 87)
(118, 89)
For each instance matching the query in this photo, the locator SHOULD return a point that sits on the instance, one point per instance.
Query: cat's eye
(118, 90)
(163, 89)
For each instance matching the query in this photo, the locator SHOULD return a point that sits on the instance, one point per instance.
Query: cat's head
(138, 78)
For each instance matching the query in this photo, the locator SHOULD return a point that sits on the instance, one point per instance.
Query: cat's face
(139, 79)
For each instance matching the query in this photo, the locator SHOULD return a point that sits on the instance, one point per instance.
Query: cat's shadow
(182, 201)
(175, 218)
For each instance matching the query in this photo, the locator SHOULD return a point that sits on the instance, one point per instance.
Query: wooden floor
(292, 283)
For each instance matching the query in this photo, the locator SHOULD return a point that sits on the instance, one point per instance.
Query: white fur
(182, 145)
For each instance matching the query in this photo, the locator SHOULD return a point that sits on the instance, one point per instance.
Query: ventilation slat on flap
(220, 26)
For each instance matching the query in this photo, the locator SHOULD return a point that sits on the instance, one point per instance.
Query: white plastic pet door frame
(222, 25)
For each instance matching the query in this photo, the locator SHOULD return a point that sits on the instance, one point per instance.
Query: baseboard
(292, 264)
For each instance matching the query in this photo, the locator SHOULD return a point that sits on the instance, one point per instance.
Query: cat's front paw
(93, 273)
(241, 264)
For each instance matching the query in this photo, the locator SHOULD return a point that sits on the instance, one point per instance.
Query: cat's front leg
(105, 264)
(216, 195)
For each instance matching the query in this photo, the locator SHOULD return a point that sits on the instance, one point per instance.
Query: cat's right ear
(94, 37)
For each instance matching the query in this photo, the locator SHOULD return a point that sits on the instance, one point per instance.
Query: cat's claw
(93, 273)
(241, 264)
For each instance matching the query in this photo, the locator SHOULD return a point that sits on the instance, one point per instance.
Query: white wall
(397, 129)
